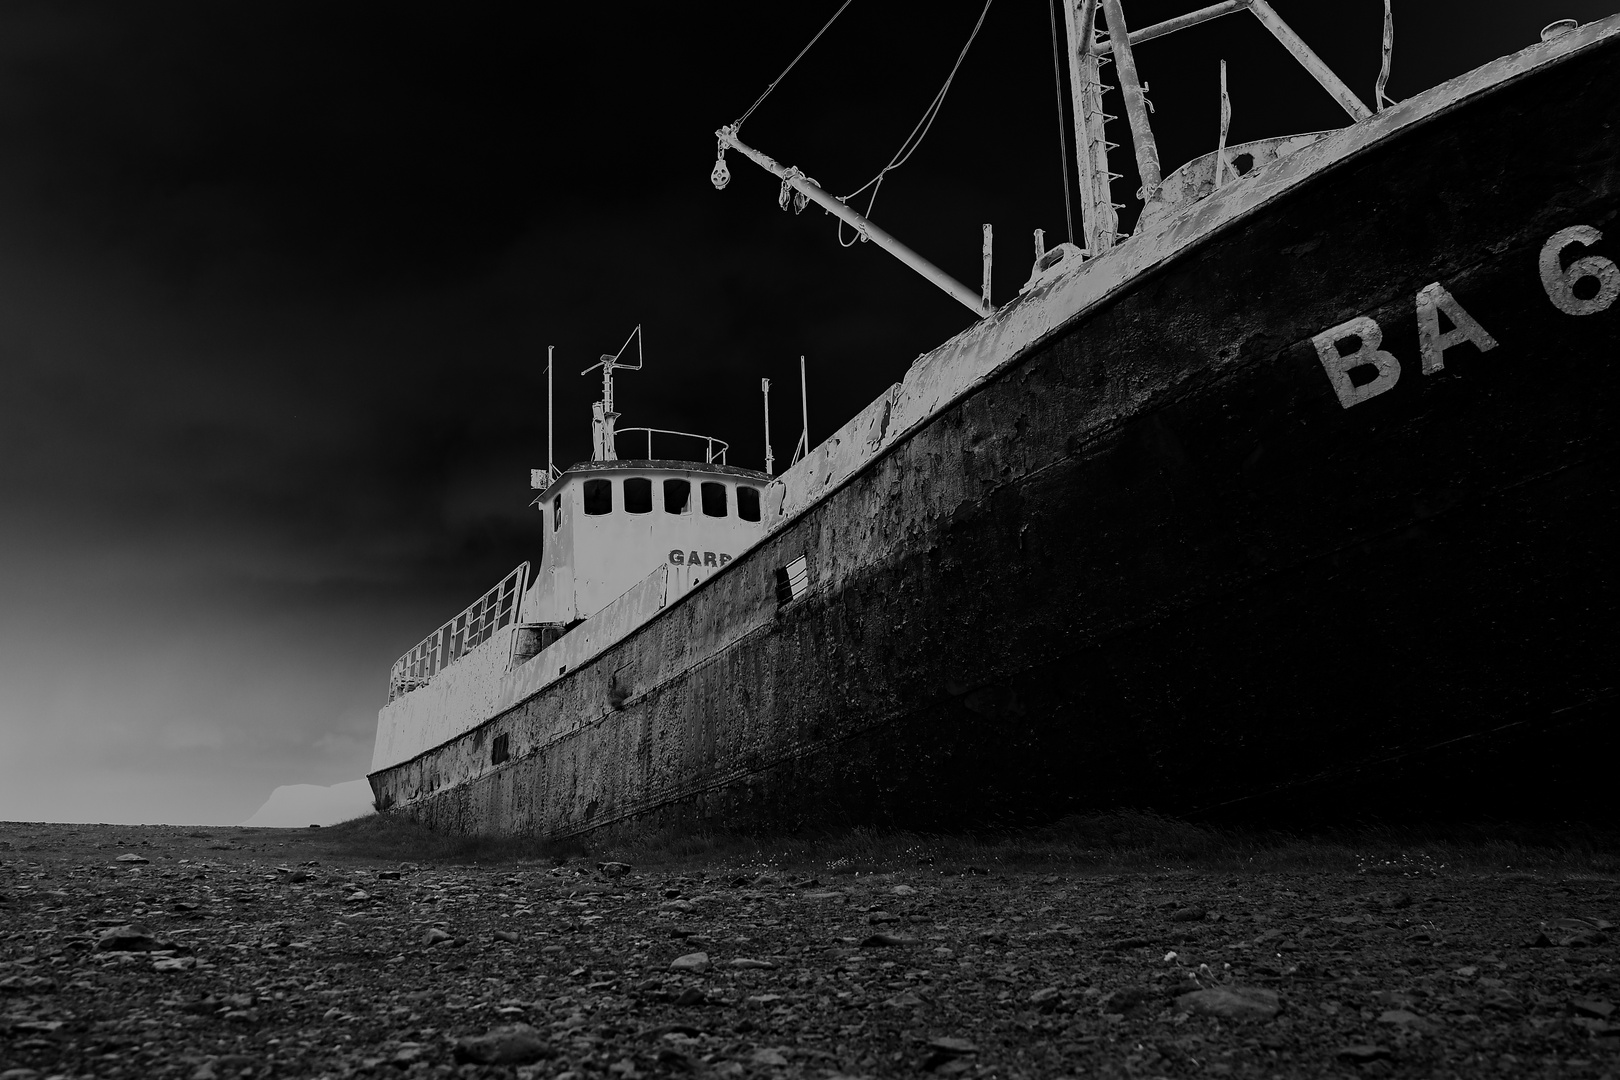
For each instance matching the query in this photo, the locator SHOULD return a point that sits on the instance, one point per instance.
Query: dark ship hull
(1154, 559)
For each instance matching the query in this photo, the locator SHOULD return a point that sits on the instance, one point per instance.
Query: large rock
(1231, 1003)
(514, 1044)
(132, 937)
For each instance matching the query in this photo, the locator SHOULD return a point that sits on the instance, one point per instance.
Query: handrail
(461, 635)
(710, 456)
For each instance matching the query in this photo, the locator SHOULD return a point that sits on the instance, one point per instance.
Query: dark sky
(277, 281)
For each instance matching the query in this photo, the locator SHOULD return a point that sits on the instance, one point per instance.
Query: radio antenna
(770, 461)
(551, 457)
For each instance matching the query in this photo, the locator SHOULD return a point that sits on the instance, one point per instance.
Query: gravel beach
(142, 951)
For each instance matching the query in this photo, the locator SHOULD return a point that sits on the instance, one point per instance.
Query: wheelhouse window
(677, 496)
(714, 499)
(638, 495)
(598, 497)
(556, 512)
(747, 503)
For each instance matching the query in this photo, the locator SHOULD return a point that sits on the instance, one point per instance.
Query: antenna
(802, 447)
(602, 414)
(770, 461)
(551, 457)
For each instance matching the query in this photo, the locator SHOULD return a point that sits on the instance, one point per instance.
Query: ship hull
(1157, 561)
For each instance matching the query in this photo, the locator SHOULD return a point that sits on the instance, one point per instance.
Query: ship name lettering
(1560, 280)
(1586, 286)
(677, 557)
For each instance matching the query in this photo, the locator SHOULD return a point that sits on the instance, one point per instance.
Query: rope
(918, 133)
(1063, 144)
(796, 59)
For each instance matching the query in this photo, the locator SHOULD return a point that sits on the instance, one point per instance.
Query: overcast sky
(277, 281)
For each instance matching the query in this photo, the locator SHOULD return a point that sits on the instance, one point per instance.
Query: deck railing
(496, 608)
(711, 456)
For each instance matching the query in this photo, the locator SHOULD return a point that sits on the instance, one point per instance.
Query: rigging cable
(789, 68)
(918, 133)
(1063, 142)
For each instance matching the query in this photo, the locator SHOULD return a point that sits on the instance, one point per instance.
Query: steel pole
(765, 388)
(1180, 22)
(1308, 59)
(1147, 151)
(551, 458)
(868, 231)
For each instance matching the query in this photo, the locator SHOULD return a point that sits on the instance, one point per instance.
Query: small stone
(132, 859)
(1402, 1018)
(752, 965)
(952, 1045)
(614, 870)
(433, 935)
(696, 963)
(1596, 1008)
(1362, 1053)
(768, 1056)
(878, 941)
(511, 1044)
(902, 890)
(388, 875)
(691, 996)
(1231, 1003)
(1188, 914)
(1046, 999)
(1128, 943)
(175, 963)
(904, 1000)
(877, 918)
(506, 936)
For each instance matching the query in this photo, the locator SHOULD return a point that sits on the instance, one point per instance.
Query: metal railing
(710, 455)
(462, 634)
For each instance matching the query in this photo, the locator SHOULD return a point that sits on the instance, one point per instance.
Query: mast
(1136, 104)
(1089, 48)
(603, 418)
(1099, 214)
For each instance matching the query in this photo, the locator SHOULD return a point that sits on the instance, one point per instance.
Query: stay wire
(918, 133)
(789, 68)
(1063, 142)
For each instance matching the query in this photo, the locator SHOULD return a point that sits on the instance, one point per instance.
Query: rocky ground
(147, 952)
